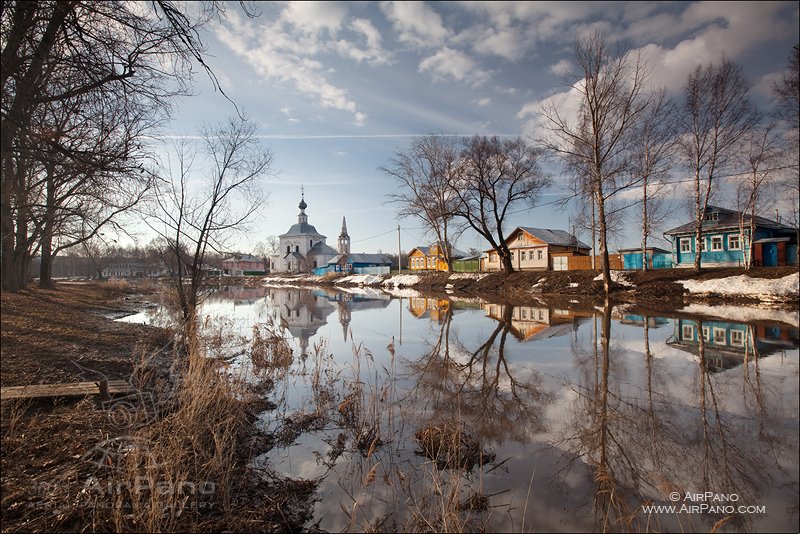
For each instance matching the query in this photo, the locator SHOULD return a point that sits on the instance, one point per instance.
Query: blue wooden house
(722, 244)
(357, 263)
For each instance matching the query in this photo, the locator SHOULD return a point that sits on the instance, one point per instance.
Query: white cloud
(452, 64)
(313, 17)
(416, 23)
(277, 52)
(561, 68)
(482, 102)
(373, 53)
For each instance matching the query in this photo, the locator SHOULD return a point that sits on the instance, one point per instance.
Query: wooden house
(537, 249)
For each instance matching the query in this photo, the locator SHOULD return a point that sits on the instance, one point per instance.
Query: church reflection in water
(304, 311)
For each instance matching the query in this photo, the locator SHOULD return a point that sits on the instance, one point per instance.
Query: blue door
(770, 254)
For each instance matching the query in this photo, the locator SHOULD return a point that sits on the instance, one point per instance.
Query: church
(303, 249)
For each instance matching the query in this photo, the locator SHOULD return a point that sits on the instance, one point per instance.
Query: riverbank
(172, 456)
(674, 288)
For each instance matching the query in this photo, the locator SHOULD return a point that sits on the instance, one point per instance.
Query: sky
(338, 89)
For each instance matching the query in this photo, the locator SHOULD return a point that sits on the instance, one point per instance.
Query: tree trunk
(605, 266)
(645, 229)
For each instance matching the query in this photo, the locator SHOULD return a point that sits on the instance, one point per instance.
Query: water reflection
(592, 415)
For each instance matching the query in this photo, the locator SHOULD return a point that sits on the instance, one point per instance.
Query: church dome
(302, 204)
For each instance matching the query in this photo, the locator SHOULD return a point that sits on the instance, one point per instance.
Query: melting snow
(761, 288)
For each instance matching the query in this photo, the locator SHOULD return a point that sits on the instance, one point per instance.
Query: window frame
(738, 239)
(720, 339)
(687, 332)
(685, 241)
(717, 239)
(737, 338)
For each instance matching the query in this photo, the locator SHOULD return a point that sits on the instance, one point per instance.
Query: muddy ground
(44, 463)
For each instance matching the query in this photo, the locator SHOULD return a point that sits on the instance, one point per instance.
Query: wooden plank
(72, 389)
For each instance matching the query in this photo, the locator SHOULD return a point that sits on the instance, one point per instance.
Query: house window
(703, 247)
(538, 254)
(716, 242)
(524, 313)
(522, 255)
(706, 334)
(719, 336)
(512, 255)
(288, 248)
(686, 244)
(297, 248)
(687, 332)
(737, 338)
(734, 243)
(713, 216)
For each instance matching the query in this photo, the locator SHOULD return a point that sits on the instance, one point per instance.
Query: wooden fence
(584, 263)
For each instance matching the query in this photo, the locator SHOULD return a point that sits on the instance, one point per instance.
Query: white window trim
(687, 332)
(720, 337)
(706, 334)
(739, 244)
(685, 241)
(717, 239)
(737, 338)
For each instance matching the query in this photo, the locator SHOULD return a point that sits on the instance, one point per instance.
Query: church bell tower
(344, 239)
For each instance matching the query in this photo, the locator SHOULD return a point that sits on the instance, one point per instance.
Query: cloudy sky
(338, 88)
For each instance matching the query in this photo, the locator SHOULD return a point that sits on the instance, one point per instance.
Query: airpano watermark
(707, 502)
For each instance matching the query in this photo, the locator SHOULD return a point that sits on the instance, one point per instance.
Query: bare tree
(196, 218)
(788, 110)
(716, 115)
(423, 175)
(653, 154)
(754, 190)
(596, 147)
(493, 177)
(58, 54)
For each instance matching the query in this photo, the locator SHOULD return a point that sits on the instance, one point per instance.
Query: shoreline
(672, 288)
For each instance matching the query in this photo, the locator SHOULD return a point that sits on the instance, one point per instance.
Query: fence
(584, 263)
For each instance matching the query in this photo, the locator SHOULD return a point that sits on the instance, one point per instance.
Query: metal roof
(726, 219)
(554, 237)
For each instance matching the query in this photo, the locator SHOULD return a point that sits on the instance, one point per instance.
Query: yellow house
(537, 249)
(430, 258)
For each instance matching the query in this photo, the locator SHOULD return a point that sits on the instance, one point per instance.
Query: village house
(722, 244)
(431, 258)
(243, 264)
(537, 249)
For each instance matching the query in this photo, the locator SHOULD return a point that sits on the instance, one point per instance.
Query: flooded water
(448, 414)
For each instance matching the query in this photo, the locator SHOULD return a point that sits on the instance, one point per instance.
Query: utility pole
(399, 258)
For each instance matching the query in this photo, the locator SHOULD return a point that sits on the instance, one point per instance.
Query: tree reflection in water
(478, 387)
(640, 448)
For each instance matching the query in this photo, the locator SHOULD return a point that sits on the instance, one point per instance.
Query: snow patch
(761, 288)
(360, 280)
(574, 284)
(618, 277)
(402, 280)
(467, 276)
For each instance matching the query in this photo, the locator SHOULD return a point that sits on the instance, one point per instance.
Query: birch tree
(715, 117)
(595, 146)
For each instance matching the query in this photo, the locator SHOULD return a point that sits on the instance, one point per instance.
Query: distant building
(242, 264)
(722, 244)
(302, 248)
(537, 249)
(431, 258)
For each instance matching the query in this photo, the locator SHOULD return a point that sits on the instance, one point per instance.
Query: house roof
(321, 248)
(240, 257)
(726, 219)
(639, 249)
(553, 237)
(353, 257)
(454, 252)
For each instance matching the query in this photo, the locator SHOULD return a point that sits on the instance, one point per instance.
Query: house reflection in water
(728, 345)
(439, 309)
(304, 311)
(242, 296)
(529, 323)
